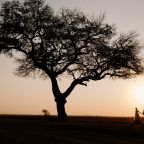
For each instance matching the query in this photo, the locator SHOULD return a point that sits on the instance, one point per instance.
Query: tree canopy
(69, 42)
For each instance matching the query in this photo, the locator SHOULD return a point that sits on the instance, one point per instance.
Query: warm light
(139, 94)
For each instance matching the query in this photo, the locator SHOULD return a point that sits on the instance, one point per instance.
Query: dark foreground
(78, 130)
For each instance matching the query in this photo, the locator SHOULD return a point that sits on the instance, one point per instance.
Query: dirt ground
(78, 130)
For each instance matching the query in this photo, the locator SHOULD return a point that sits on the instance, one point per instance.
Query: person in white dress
(137, 118)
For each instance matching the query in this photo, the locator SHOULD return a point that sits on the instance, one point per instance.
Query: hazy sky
(106, 97)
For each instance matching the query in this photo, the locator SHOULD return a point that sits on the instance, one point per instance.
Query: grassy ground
(78, 130)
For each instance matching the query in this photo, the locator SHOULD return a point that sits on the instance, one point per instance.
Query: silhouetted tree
(65, 44)
(46, 113)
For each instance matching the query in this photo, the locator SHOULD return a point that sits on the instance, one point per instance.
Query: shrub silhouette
(46, 113)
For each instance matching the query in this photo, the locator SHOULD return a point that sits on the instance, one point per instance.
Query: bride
(137, 118)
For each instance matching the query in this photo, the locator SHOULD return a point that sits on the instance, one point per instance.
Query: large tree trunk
(62, 116)
(60, 101)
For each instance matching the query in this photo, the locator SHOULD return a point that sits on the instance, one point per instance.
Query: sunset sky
(101, 98)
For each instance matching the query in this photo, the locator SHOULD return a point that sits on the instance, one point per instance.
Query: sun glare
(139, 94)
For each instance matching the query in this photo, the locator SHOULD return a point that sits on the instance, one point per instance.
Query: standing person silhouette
(137, 119)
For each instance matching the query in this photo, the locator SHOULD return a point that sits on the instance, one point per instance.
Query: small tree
(46, 113)
(69, 43)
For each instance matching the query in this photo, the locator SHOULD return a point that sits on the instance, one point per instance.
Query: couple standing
(137, 118)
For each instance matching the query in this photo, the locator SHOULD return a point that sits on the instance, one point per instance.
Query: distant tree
(46, 113)
(65, 44)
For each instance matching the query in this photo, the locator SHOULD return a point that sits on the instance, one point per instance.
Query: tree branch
(81, 82)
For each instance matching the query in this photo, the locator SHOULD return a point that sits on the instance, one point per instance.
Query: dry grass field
(78, 130)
